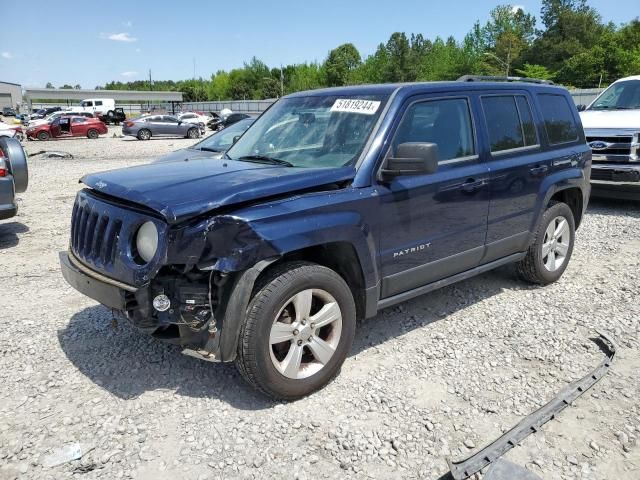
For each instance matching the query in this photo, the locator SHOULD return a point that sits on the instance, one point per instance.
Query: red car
(68, 126)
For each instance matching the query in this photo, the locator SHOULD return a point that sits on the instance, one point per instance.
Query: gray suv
(14, 175)
(143, 128)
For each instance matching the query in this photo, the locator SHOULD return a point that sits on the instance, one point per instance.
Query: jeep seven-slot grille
(616, 149)
(94, 236)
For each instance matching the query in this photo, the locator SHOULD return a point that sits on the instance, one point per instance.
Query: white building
(10, 95)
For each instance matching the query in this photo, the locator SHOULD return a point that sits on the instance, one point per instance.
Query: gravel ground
(435, 377)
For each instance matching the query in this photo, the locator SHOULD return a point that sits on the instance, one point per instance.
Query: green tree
(219, 87)
(572, 27)
(508, 33)
(341, 63)
(49, 85)
(374, 68)
(534, 71)
(305, 76)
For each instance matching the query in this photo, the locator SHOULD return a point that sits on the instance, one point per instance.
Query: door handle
(471, 185)
(538, 171)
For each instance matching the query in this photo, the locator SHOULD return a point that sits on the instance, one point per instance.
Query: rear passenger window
(509, 122)
(558, 118)
(528, 125)
(445, 122)
(98, 103)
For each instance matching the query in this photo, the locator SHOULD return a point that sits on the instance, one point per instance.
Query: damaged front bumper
(204, 318)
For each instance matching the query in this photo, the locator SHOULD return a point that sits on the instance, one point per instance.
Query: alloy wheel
(556, 243)
(305, 333)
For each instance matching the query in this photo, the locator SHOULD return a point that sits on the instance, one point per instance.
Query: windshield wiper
(208, 149)
(265, 159)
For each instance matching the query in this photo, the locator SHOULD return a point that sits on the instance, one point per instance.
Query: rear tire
(93, 134)
(310, 311)
(549, 255)
(43, 136)
(144, 134)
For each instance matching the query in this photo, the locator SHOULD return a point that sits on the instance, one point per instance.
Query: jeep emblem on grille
(101, 184)
(599, 145)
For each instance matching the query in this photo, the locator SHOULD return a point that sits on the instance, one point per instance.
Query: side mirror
(413, 158)
(582, 108)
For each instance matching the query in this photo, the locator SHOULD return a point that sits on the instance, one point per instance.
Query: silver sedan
(143, 128)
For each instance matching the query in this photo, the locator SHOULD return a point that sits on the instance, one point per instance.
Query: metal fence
(129, 108)
(241, 106)
(585, 96)
(580, 97)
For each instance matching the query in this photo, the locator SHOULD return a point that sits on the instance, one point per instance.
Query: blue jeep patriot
(334, 204)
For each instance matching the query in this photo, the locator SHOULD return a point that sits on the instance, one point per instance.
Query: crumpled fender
(235, 242)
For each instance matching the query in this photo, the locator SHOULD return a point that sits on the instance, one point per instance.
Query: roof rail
(488, 78)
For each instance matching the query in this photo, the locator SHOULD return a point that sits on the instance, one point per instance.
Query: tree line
(572, 46)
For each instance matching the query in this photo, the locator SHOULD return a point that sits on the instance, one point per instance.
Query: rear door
(518, 165)
(433, 226)
(155, 124)
(78, 126)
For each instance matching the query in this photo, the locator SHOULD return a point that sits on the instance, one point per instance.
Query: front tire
(298, 330)
(93, 134)
(43, 136)
(549, 255)
(193, 133)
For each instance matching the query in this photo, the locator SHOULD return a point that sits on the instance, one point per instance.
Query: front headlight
(147, 241)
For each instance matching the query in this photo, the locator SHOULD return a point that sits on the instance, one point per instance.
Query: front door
(434, 226)
(171, 125)
(54, 128)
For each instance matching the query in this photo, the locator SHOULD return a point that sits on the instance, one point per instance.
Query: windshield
(312, 132)
(619, 96)
(221, 141)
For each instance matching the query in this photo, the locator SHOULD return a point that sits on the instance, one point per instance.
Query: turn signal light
(3, 172)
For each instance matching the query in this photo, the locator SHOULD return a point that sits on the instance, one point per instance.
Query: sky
(91, 43)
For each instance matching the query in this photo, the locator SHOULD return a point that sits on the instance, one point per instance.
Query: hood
(188, 154)
(619, 119)
(184, 189)
(37, 123)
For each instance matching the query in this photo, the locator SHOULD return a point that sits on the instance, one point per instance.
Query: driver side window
(445, 122)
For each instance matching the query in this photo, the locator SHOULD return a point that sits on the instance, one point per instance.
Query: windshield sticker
(366, 107)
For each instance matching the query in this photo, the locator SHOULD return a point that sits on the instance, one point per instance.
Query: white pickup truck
(97, 106)
(612, 127)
